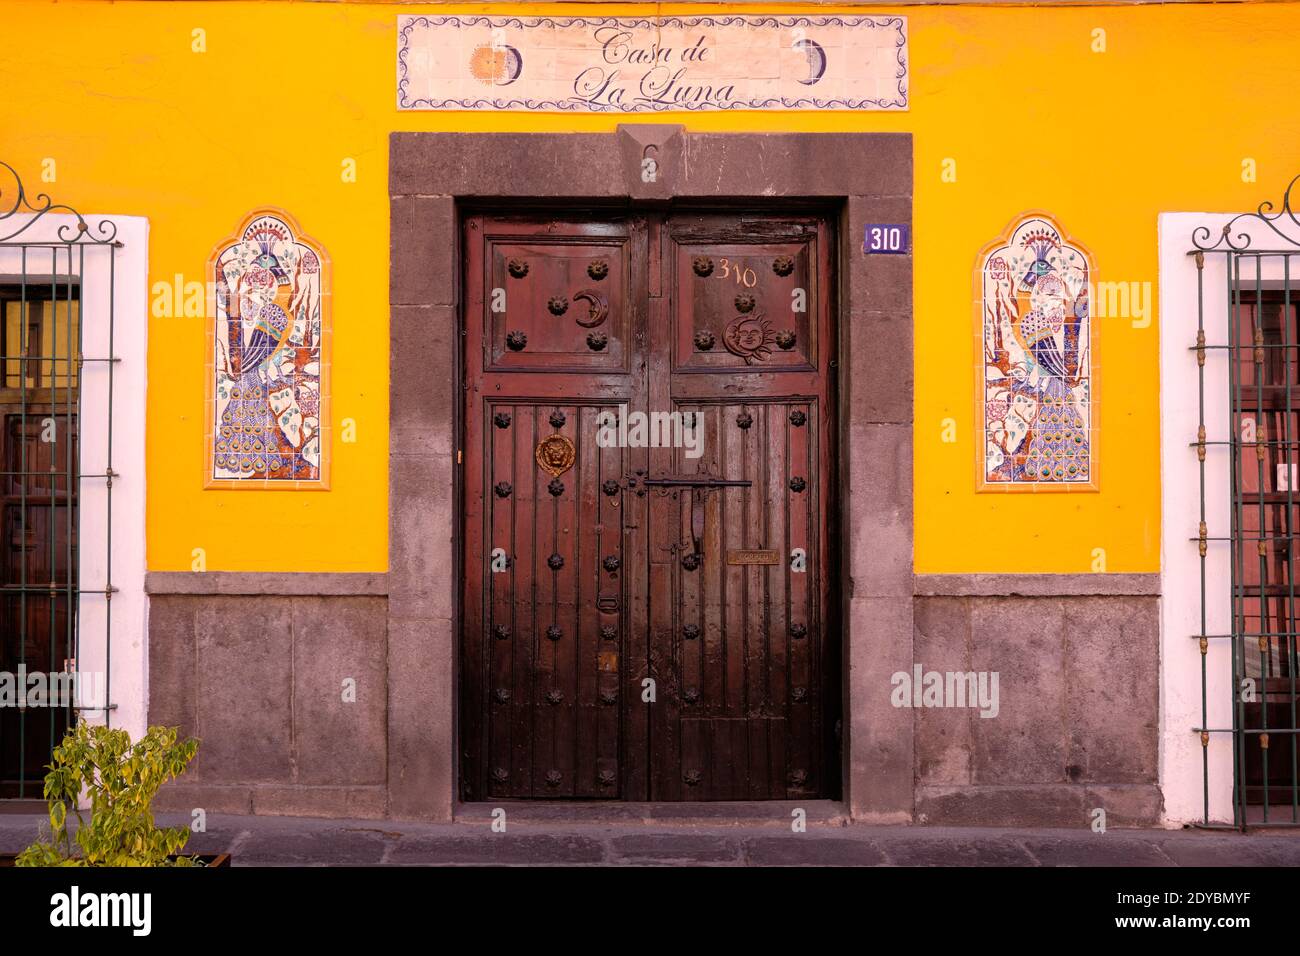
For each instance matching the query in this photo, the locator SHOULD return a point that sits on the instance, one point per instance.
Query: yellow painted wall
(141, 125)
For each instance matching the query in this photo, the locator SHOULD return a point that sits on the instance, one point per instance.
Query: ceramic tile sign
(1035, 395)
(651, 64)
(268, 371)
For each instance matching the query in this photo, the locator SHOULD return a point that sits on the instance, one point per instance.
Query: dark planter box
(205, 859)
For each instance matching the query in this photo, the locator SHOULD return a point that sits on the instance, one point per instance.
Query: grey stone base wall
(255, 668)
(257, 672)
(1078, 720)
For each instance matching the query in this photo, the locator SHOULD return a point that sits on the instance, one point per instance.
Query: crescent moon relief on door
(816, 60)
(598, 311)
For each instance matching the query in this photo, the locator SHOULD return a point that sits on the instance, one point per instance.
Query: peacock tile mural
(1035, 388)
(268, 381)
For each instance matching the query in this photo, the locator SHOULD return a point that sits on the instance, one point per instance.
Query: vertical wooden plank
(736, 611)
(758, 780)
(583, 624)
(776, 598)
(756, 536)
(522, 577)
(712, 582)
(695, 776)
(546, 742)
(501, 652)
(738, 730)
(636, 551)
(669, 658)
(777, 760)
(802, 685)
(710, 574)
(607, 538)
(669, 654)
(561, 699)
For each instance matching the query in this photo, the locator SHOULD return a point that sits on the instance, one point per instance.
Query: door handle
(697, 522)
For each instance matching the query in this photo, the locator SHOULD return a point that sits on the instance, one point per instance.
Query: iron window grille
(41, 363)
(1261, 344)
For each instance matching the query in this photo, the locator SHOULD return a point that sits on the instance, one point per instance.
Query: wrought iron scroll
(60, 283)
(1227, 242)
(44, 205)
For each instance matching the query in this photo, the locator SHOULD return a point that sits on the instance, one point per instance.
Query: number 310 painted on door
(743, 274)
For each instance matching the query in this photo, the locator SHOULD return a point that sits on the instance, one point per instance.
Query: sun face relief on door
(647, 472)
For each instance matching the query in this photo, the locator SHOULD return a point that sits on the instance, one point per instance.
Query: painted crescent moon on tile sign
(816, 60)
(514, 66)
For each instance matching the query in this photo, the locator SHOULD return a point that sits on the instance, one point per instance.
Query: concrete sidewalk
(302, 841)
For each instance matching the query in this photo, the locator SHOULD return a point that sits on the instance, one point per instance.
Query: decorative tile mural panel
(1035, 390)
(268, 384)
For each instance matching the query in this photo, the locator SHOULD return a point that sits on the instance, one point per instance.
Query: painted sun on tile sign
(650, 64)
(1035, 391)
(268, 338)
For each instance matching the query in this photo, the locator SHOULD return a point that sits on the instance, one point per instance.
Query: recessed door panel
(745, 294)
(556, 295)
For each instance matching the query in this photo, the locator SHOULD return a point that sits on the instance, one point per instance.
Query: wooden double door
(648, 468)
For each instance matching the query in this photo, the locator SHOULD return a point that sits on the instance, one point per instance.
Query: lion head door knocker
(556, 455)
(750, 337)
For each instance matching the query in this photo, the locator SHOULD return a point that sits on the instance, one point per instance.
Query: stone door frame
(869, 175)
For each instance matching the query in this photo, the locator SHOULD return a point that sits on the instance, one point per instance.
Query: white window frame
(127, 612)
(1181, 756)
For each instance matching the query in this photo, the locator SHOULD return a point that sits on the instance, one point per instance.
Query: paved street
(298, 841)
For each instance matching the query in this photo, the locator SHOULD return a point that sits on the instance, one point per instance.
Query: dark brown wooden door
(645, 606)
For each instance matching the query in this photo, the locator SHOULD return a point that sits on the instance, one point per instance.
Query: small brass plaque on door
(753, 557)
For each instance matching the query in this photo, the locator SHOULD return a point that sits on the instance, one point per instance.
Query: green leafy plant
(120, 779)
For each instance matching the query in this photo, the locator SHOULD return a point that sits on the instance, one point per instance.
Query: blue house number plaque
(886, 239)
